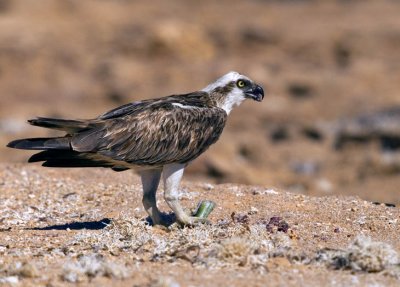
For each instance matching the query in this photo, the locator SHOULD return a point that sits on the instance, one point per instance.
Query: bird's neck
(227, 102)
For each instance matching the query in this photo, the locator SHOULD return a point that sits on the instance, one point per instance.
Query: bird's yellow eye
(240, 83)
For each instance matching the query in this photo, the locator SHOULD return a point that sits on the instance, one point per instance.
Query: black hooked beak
(256, 93)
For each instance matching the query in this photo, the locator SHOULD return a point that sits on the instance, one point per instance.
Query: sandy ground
(60, 227)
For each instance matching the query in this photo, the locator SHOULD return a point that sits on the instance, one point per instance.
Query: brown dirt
(319, 61)
(51, 220)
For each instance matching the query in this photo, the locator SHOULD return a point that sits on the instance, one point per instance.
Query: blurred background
(330, 121)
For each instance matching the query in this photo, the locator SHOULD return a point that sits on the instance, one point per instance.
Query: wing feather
(155, 135)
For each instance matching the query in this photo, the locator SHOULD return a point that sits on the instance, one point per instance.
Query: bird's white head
(232, 89)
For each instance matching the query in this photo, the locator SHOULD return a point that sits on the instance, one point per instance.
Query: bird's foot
(199, 216)
(192, 220)
(189, 221)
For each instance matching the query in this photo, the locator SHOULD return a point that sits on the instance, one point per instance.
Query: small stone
(28, 271)
(252, 211)
(165, 282)
(277, 223)
(208, 186)
(240, 218)
(9, 280)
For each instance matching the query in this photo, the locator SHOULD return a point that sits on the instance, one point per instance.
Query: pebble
(208, 186)
(9, 280)
(253, 210)
(265, 191)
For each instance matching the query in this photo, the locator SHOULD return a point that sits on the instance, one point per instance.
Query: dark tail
(64, 158)
(70, 126)
(61, 143)
(57, 151)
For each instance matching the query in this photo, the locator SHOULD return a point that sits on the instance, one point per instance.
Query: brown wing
(156, 135)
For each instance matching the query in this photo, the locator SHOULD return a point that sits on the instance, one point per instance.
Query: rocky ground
(328, 127)
(60, 227)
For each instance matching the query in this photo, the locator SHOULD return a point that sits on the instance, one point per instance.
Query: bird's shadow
(167, 218)
(90, 225)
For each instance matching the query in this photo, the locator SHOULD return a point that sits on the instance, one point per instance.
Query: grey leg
(172, 175)
(150, 180)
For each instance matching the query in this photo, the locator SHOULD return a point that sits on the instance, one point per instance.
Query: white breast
(235, 98)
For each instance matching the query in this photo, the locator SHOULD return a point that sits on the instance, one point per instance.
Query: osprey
(153, 137)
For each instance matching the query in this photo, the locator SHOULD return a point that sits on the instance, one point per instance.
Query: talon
(193, 221)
